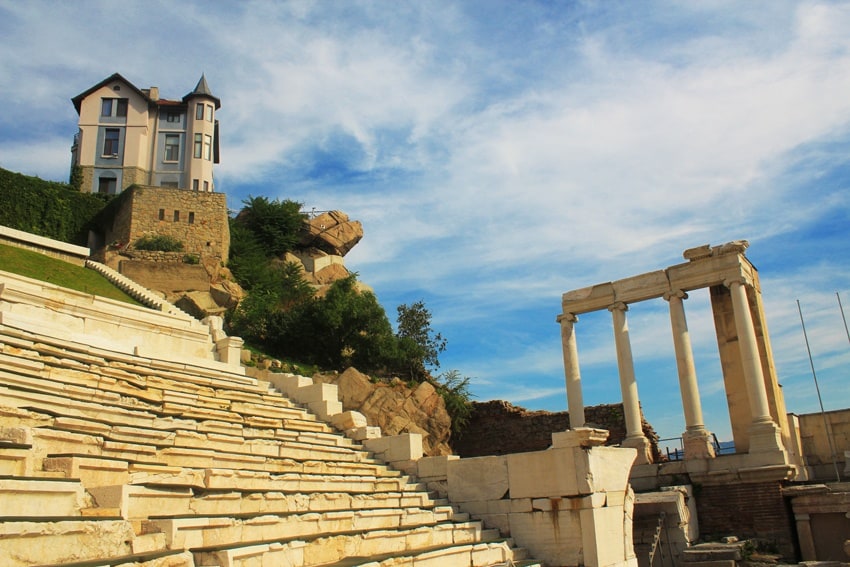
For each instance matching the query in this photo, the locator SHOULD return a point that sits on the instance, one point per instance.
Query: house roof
(203, 89)
(78, 100)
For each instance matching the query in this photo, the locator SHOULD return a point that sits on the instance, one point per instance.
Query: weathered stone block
(478, 479)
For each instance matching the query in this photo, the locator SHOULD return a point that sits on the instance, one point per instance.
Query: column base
(644, 450)
(698, 444)
(765, 437)
(579, 437)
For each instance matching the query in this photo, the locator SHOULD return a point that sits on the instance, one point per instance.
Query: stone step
(213, 375)
(86, 386)
(205, 531)
(95, 470)
(157, 558)
(288, 418)
(226, 479)
(450, 543)
(139, 502)
(181, 448)
(62, 540)
(713, 552)
(98, 419)
(37, 497)
(139, 380)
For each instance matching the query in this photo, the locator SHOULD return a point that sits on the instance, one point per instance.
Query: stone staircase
(112, 458)
(134, 290)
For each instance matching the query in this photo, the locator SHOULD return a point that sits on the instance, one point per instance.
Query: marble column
(764, 433)
(575, 401)
(628, 385)
(697, 440)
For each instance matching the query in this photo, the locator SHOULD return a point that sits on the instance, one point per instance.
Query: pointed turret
(202, 89)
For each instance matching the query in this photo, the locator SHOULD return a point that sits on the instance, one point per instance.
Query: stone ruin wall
(497, 427)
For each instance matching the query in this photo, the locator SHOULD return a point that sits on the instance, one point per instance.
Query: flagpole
(843, 318)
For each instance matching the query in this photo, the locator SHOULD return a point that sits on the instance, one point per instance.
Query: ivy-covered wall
(47, 208)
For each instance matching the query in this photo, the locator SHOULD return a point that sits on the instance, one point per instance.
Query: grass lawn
(40, 267)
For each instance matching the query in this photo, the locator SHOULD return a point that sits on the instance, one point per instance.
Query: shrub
(159, 242)
(47, 208)
(454, 389)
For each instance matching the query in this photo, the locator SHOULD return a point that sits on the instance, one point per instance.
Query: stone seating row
(146, 380)
(49, 310)
(101, 462)
(130, 376)
(428, 546)
(24, 543)
(145, 434)
(159, 458)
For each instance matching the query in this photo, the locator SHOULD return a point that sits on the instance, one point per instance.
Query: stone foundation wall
(497, 428)
(198, 220)
(750, 510)
(134, 176)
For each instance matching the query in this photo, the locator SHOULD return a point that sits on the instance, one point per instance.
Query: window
(108, 105)
(176, 216)
(209, 113)
(169, 184)
(172, 147)
(207, 146)
(107, 185)
(206, 186)
(162, 214)
(191, 218)
(199, 111)
(198, 145)
(110, 142)
(173, 117)
(195, 184)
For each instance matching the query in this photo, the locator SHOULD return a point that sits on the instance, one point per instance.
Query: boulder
(396, 408)
(331, 232)
(227, 293)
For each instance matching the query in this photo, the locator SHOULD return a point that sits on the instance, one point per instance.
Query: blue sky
(499, 154)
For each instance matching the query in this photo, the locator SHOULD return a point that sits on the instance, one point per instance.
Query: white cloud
(495, 167)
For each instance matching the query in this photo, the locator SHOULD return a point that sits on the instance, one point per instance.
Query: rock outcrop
(331, 232)
(396, 408)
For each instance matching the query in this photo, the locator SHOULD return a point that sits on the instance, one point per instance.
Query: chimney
(154, 93)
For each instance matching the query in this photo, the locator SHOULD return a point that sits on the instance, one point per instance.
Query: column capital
(619, 306)
(566, 318)
(729, 282)
(668, 295)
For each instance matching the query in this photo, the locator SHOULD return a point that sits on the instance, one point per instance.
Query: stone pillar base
(698, 444)
(579, 437)
(765, 437)
(641, 443)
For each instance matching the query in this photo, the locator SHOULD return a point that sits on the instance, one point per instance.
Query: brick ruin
(497, 427)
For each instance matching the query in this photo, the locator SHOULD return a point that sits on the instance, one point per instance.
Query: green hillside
(40, 267)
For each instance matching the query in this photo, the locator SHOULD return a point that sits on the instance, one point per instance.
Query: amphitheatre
(136, 435)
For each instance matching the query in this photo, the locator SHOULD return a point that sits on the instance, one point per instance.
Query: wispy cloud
(500, 154)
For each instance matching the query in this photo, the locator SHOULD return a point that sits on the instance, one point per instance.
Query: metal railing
(678, 454)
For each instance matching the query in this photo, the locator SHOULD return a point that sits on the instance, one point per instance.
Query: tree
(346, 327)
(275, 224)
(419, 346)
